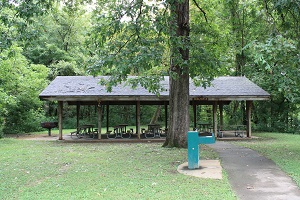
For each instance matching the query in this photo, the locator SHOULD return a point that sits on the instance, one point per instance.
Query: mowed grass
(283, 149)
(32, 169)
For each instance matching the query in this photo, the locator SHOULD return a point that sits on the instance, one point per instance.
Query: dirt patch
(208, 169)
(33, 136)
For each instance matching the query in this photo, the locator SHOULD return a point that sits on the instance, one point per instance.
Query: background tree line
(40, 40)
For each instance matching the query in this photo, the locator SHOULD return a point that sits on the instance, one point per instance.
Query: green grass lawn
(32, 169)
(283, 149)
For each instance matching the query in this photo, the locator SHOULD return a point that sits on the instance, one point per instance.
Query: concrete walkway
(253, 176)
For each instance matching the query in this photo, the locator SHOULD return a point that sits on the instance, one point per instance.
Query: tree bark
(179, 75)
(179, 112)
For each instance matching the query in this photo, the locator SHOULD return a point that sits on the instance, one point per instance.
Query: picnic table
(240, 130)
(83, 131)
(119, 130)
(153, 130)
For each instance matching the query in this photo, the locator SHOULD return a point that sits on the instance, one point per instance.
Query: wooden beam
(166, 115)
(107, 118)
(215, 120)
(147, 98)
(60, 119)
(248, 112)
(195, 114)
(77, 114)
(99, 120)
(138, 119)
(133, 102)
(221, 116)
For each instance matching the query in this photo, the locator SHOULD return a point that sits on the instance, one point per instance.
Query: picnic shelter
(86, 90)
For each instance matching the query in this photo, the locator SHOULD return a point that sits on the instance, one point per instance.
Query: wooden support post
(248, 111)
(195, 114)
(107, 117)
(215, 123)
(221, 116)
(60, 119)
(77, 114)
(166, 114)
(99, 120)
(138, 119)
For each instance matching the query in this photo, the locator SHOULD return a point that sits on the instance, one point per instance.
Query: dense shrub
(21, 82)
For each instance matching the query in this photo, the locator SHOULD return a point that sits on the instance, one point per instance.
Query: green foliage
(205, 38)
(46, 54)
(21, 83)
(9, 27)
(30, 8)
(4, 100)
(289, 12)
(59, 36)
(275, 67)
(140, 32)
(264, 46)
(278, 60)
(246, 23)
(15, 17)
(137, 32)
(63, 68)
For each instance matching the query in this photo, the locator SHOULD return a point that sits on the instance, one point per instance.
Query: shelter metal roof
(87, 88)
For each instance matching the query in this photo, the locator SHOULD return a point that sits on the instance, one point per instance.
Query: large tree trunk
(179, 112)
(179, 75)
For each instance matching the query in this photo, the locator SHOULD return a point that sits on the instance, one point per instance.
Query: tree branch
(125, 43)
(204, 13)
(140, 11)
